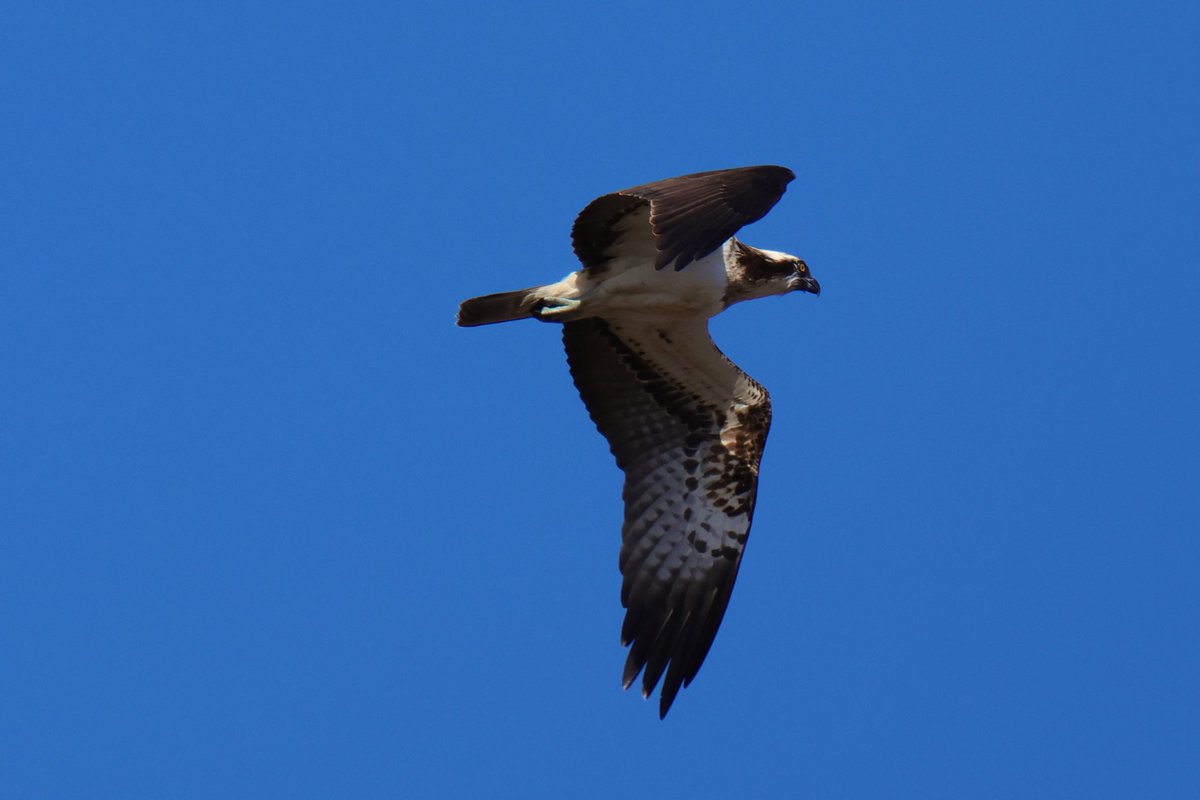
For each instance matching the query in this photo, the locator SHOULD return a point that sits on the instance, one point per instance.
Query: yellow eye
(802, 268)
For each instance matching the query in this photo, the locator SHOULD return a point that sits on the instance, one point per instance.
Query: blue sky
(273, 527)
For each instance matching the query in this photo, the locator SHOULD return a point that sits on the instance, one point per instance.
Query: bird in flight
(685, 424)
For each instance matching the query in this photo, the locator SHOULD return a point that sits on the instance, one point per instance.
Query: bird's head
(801, 279)
(752, 273)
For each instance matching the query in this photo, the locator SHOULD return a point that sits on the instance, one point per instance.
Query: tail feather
(501, 307)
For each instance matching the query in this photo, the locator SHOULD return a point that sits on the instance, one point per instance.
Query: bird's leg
(557, 309)
(562, 301)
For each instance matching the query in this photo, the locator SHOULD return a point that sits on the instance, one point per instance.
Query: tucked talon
(556, 308)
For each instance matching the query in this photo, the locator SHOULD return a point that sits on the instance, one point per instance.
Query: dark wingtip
(786, 174)
(666, 699)
(632, 669)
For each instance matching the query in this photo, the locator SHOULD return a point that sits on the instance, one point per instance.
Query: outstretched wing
(679, 219)
(687, 427)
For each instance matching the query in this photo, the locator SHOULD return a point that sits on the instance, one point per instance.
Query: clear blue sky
(273, 527)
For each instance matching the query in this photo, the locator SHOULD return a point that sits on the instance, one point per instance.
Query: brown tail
(502, 307)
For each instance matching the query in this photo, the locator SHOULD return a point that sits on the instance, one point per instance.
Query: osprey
(686, 426)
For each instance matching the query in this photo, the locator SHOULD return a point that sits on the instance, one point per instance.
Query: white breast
(631, 286)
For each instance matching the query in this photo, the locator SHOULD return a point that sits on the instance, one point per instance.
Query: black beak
(806, 283)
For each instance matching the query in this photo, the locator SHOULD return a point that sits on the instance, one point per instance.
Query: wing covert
(690, 215)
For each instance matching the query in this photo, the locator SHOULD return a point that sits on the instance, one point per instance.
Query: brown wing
(689, 216)
(687, 427)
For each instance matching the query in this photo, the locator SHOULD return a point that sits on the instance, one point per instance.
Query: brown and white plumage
(687, 427)
(690, 216)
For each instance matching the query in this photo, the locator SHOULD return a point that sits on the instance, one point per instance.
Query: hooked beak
(806, 283)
